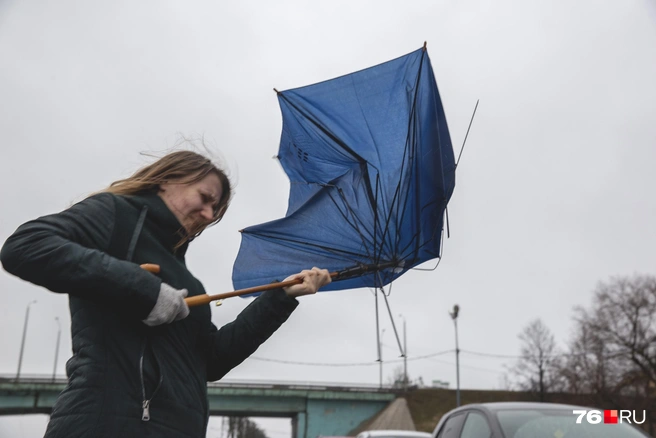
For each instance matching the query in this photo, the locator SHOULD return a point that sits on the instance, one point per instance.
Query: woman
(141, 357)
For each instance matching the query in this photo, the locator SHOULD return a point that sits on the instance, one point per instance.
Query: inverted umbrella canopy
(371, 170)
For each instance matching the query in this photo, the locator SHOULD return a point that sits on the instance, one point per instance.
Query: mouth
(194, 225)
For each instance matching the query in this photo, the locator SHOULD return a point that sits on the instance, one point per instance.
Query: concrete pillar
(299, 425)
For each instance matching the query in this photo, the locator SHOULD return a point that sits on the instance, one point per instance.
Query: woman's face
(194, 204)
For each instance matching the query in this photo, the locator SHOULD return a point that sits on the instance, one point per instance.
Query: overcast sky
(554, 193)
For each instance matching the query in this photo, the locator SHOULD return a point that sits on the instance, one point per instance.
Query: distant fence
(234, 383)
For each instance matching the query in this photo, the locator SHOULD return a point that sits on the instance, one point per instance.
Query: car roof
(502, 406)
(390, 432)
(497, 406)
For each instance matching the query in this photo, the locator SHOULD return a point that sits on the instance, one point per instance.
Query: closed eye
(209, 199)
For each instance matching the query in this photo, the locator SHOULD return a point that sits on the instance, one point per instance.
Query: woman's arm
(64, 252)
(235, 342)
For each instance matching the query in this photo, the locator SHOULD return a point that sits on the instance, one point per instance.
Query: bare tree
(613, 352)
(537, 369)
(623, 316)
(587, 369)
(242, 427)
(399, 378)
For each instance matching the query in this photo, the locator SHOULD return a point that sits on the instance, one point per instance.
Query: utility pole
(380, 358)
(405, 357)
(54, 369)
(454, 316)
(20, 355)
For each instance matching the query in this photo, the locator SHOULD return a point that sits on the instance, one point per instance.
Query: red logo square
(610, 416)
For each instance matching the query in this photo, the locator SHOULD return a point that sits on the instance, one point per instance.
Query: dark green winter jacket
(123, 371)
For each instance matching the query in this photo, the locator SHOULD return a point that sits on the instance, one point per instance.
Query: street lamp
(20, 356)
(54, 369)
(454, 317)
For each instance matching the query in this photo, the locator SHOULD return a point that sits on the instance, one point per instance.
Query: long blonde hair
(181, 167)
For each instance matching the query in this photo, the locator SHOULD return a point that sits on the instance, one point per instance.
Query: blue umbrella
(371, 170)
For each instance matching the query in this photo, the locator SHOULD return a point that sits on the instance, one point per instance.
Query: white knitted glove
(170, 306)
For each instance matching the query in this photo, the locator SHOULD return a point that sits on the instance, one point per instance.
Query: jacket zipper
(145, 416)
(145, 404)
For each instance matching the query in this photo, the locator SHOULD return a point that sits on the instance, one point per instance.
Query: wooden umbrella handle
(200, 300)
(151, 267)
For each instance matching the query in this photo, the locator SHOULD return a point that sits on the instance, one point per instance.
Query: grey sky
(554, 191)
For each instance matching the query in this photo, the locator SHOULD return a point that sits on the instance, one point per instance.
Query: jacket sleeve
(65, 253)
(235, 342)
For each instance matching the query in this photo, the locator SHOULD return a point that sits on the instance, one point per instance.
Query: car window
(451, 427)
(476, 427)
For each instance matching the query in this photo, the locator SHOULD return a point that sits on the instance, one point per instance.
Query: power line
(499, 356)
(315, 364)
(487, 370)
(351, 364)
(546, 356)
(426, 356)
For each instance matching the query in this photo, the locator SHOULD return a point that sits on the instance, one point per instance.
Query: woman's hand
(313, 279)
(170, 306)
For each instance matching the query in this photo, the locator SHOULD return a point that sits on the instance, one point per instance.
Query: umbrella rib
(385, 244)
(397, 190)
(421, 245)
(382, 200)
(352, 222)
(375, 257)
(439, 257)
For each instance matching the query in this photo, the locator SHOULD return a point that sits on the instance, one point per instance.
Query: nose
(207, 213)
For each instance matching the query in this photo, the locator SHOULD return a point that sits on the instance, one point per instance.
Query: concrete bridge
(315, 409)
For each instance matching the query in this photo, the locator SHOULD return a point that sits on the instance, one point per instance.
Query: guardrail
(230, 383)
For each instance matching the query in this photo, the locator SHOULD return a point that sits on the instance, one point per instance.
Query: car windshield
(550, 423)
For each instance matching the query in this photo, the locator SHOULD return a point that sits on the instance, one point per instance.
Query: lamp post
(20, 355)
(405, 357)
(54, 369)
(454, 317)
